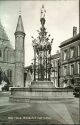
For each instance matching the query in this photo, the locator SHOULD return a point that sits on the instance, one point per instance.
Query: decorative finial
(43, 11)
(20, 10)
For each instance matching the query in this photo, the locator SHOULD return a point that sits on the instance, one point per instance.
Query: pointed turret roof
(20, 27)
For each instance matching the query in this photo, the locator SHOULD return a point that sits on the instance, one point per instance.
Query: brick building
(70, 60)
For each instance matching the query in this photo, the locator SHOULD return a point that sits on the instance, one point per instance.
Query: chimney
(74, 31)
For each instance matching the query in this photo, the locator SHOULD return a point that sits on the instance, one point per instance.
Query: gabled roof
(3, 34)
(20, 27)
(71, 40)
(3, 37)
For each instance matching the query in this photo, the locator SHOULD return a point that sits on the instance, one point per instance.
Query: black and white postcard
(39, 62)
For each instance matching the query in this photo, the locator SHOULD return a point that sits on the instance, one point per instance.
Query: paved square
(60, 111)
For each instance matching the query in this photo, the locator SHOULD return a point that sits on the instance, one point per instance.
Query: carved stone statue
(43, 11)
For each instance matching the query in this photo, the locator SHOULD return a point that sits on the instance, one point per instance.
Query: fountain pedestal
(40, 90)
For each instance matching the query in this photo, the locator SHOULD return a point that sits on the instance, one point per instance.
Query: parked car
(76, 91)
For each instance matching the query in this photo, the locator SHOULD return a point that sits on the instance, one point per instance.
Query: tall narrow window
(0, 53)
(65, 55)
(6, 54)
(9, 75)
(72, 69)
(65, 70)
(78, 67)
(72, 52)
(78, 50)
(55, 63)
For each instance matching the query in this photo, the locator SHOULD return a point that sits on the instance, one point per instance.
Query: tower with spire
(19, 53)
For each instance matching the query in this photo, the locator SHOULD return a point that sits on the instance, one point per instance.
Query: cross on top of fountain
(42, 18)
(43, 11)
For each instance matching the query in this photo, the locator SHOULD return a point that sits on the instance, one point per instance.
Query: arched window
(6, 54)
(0, 53)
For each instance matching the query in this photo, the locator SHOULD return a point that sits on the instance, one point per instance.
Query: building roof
(20, 27)
(3, 36)
(55, 56)
(70, 40)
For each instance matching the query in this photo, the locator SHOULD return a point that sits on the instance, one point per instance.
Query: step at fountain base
(41, 90)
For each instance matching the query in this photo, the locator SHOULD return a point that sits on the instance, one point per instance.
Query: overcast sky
(61, 16)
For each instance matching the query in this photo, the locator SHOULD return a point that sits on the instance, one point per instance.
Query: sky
(61, 16)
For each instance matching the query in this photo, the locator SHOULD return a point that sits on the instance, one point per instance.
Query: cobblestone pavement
(62, 111)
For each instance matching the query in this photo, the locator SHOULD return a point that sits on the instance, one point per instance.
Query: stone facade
(7, 55)
(12, 60)
(70, 60)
